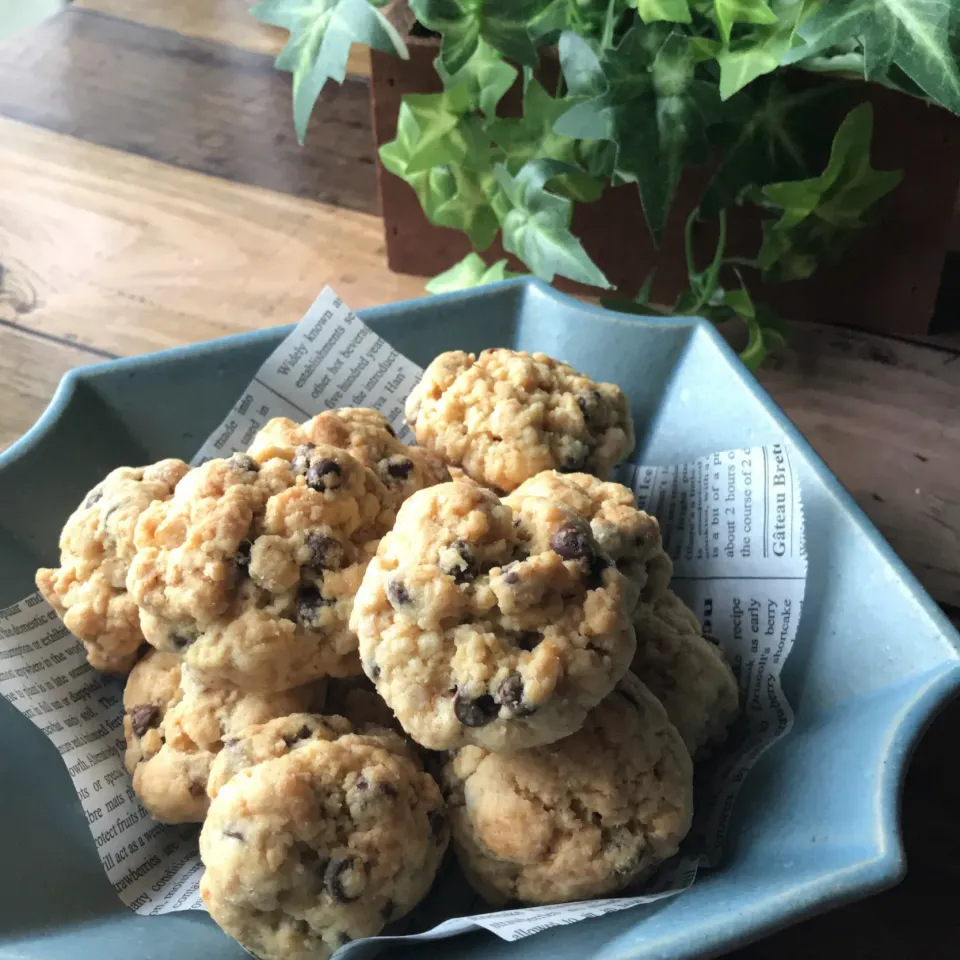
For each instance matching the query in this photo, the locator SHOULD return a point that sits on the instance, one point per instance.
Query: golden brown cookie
(505, 416)
(630, 537)
(583, 817)
(365, 434)
(251, 569)
(686, 671)
(175, 732)
(481, 623)
(88, 589)
(321, 845)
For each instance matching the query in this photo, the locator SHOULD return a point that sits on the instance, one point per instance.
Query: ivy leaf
(729, 12)
(532, 137)
(780, 135)
(449, 132)
(486, 76)
(762, 48)
(766, 330)
(921, 37)
(672, 11)
(452, 195)
(321, 34)
(536, 226)
(820, 215)
(471, 271)
(463, 23)
(654, 108)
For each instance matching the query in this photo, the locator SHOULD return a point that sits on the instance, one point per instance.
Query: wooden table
(152, 194)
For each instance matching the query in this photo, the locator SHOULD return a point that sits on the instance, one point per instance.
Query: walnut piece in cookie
(481, 623)
(174, 733)
(686, 671)
(88, 589)
(321, 845)
(583, 817)
(505, 416)
(629, 536)
(365, 434)
(250, 570)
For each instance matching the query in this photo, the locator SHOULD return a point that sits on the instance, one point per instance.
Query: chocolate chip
(397, 592)
(516, 523)
(572, 464)
(594, 578)
(301, 459)
(234, 835)
(437, 822)
(242, 559)
(372, 670)
(588, 404)
(94, 496)
(389, 790)
(243, 461)
(475, 713)
(303, 733)
(510, 695)
(462, 572)
(325, 474)
(309, 603)
(528, 639)
(511, 575)
(143, 717)
(386, 911)
(182, 640)
(326, 553)
(340, 871)
(231, 741)
(571, 543)
(399, 468)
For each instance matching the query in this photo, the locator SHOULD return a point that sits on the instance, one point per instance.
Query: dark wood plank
(226, 21)
(885, 416)
(188, 102)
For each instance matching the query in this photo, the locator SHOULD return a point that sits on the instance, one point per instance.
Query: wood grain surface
(190, 103)
(224, 21)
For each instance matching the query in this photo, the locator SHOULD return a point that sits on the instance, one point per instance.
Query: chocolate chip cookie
(686, 671)
(171, 745)
(582, 817)
(630, 537)
(251, 569)
(88, 589)
(365, 434)
(505, 416)
(320, 846)
(491, 624)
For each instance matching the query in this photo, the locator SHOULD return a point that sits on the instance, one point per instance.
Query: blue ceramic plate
(816, 823)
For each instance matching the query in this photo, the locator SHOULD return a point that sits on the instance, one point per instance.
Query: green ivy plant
(647, 89)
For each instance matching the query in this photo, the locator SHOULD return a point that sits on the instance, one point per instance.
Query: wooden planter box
(886, 283)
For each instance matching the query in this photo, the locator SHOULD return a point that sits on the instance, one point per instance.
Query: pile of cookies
(307, 628)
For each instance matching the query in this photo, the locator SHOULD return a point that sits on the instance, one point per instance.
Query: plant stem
(688, 242)
(741, 262)
(713, 271)
(607, 40)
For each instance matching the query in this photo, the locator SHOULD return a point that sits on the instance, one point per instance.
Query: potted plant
(649, 151)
